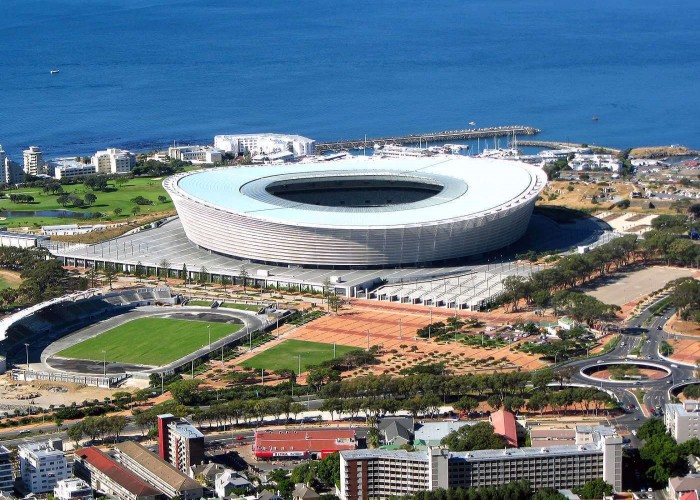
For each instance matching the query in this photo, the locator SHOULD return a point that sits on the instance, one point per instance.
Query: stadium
(360, 213)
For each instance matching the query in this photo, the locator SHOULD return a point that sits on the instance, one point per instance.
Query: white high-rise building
(11, 172)
(114, 161)
(41, 466)
(34, 161)
(265, 144)
(683, 420)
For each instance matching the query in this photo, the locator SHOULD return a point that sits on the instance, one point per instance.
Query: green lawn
(285, 355)
(116, 197)
(149, 341)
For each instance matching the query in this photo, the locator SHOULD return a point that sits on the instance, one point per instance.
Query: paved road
(656, 391)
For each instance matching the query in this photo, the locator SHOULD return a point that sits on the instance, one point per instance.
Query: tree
(64, 199)
(162, 199)
(140, 271)
(75, 433)
(225, 280)
(135, 210)
(90, 198)
(548, 494)
(243, 274)
(595, 489)
(185, 274)
(476, 437)
(164, 270)
(185, 391)
(109, 273)
(118, 211)
(203, 276)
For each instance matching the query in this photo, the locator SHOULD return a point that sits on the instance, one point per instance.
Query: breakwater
(432, 137)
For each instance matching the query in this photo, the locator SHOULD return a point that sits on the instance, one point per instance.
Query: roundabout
(627, 372)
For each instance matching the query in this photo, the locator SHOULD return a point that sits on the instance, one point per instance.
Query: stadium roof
(471, 186)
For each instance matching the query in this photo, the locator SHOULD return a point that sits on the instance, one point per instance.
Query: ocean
(141, 74)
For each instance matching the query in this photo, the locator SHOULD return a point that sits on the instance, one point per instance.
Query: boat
(471, 124)
(594, 118)
(54, 71)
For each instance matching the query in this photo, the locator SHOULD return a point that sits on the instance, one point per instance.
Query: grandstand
(471, 291)
(49, 321)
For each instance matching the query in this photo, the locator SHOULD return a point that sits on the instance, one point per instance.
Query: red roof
(117, 473)
(504, 424)
(301, 442)
(689, 495)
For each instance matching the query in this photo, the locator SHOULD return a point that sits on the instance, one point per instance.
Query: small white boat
(54, 71)
(471, 124)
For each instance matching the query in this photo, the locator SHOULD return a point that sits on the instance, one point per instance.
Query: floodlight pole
(104, 364)
(26, 348)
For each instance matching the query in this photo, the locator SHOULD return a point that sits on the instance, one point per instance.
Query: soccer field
(286, 355)
(149, 341)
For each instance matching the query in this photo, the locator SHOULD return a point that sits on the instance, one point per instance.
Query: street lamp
(26, 348)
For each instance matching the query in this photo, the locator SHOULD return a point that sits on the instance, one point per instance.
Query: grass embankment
(149, 341)
(9, 279)
(116, 197)
(286, 355)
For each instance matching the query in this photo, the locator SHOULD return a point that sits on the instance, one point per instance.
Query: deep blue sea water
(143, 73)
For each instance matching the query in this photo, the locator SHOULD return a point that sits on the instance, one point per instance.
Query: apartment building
(11, 172)
(157, 472)
(265, 144)
(108, 477)
(7, 480)
(72, 489)
(179, 443)
(69, 168)
(383, 474)
(683, 420)
(42, 466)
(33, 161)
(114, 161)
(196, 154)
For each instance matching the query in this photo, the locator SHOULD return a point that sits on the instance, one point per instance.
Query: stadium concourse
(168, 242)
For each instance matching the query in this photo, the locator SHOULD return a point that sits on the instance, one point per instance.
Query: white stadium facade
(358, 213)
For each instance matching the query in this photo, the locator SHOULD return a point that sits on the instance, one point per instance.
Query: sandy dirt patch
(625, 287)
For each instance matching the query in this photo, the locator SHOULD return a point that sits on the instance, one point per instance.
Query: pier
(565, 145)
(433, 137)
